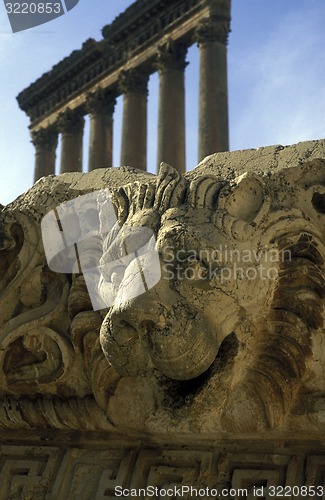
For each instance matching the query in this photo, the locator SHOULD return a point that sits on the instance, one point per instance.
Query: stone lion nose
(129, 332)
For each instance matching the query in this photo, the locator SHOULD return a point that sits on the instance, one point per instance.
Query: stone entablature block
(205, 353)
(204, 381)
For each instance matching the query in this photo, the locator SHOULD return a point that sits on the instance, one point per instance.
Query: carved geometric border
(315, 471)
(165, 469)
(250, 478)
(39, 472)
(251, 470)
(28, 471)
(93, 473)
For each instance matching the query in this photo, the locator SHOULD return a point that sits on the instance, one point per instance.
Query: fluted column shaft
(134, 86)
(45, 142)
(171, 118)
(71, 124)
(100, 105)
(212, 37)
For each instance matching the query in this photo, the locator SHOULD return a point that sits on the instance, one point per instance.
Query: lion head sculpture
(241, 289)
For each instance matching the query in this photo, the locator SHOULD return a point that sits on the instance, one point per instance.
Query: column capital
(70, 121)
(101, 102)
(171, 55)
(45, 138)
(213, 29)
(133, 81)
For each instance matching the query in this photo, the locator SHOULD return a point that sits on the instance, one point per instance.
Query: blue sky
(276, 78)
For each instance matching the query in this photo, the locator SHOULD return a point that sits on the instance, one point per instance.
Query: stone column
(100, 105)
(212, 35)
(45, 142)
(134, 85)
(70, 124)
(171, 119)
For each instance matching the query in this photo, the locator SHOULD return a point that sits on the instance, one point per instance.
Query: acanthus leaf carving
(171, 55)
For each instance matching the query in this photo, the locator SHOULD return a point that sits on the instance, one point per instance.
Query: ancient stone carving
(71, 121)
(101, 102)
(45, 138)
(241, 293)
(212, 30)
(229, 340)
(29, 471)
(41, 337)
(171, 55)
(133, 81)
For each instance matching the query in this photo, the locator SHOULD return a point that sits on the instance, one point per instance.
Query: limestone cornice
(142, 14)
(131, 40)
(63, 79)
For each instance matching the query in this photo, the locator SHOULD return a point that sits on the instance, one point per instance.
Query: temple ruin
(161, 336)
(150, 36)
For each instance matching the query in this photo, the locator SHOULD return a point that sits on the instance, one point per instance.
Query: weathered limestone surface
(215, 376)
